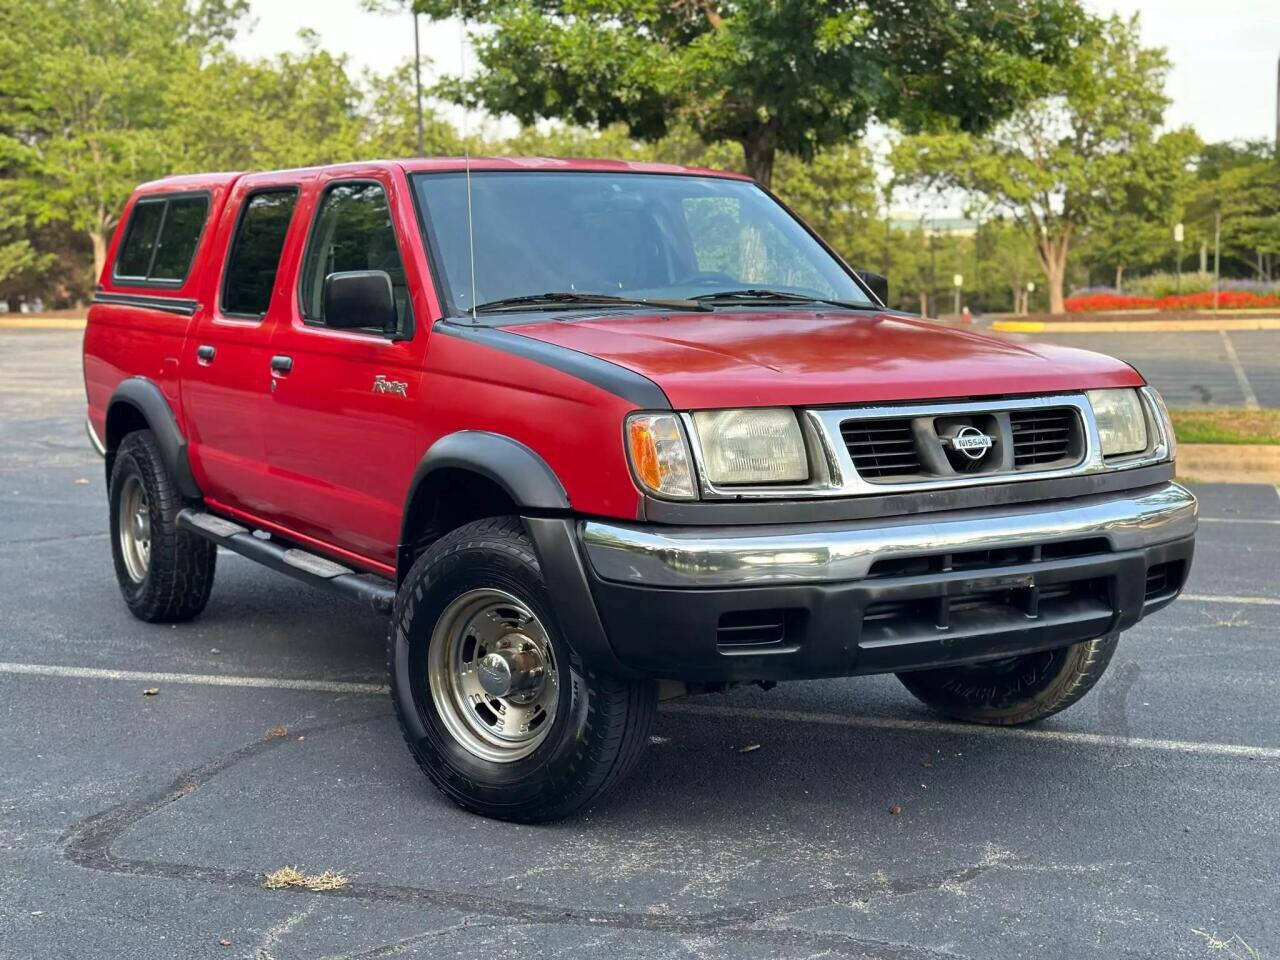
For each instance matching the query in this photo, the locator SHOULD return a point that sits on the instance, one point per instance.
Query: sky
(1224, 52)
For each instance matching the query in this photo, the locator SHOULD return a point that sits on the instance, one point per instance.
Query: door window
(255, 252)
(353, 231)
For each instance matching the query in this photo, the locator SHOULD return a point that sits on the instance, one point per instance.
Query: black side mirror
(359, 298)
(876, 283)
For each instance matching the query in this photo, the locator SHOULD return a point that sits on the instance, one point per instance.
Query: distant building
(949, 226)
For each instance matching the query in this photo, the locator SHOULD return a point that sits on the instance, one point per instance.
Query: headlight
(1122, 426)
(1166, 422)
(751, 446)
(659, 455)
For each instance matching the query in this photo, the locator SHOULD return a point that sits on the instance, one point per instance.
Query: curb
(1133, 326)
(1229, 462)
(45, 323)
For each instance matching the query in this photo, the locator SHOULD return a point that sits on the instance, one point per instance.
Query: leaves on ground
(293, 877)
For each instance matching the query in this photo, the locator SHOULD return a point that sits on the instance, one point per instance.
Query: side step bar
(283, 558)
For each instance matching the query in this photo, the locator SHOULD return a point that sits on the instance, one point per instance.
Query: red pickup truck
(596, 434)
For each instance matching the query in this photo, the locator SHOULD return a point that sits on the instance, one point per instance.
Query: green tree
(390, 119)
(836, 193)
(292, 110)
(83, 93)
(1241, 182)
(1137, 229)
(770, 76)
(1068, 162)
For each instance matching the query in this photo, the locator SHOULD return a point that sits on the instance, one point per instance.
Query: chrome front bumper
(824, 553)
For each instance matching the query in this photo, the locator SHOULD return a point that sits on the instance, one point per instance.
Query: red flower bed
(1227, 299)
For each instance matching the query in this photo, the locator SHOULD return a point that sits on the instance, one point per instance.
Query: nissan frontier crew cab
(595, 433)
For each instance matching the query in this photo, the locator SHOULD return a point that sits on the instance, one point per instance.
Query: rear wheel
(1014, 690)
(165, 574)
(499, 711)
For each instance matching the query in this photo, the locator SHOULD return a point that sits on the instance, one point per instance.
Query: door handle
(281, 364)
(206, 352)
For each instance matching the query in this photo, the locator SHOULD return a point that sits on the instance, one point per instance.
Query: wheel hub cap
(493, 675)
(135, 529)
(510, 672)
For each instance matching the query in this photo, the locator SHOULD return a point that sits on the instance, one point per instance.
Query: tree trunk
(1055, 274)
(759, 147)
(924, 304)
(99, 253)
(1052, 251)
(1119, 277)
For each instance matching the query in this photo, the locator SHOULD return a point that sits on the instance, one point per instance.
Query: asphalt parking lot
(1215, 368)
(1143, 822)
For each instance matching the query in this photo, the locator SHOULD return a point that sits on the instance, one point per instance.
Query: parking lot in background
(1143, 822)
(1216, 368)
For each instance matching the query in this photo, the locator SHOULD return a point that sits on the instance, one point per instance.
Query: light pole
(1217, 263)
(1026, 304)
(1177, 238)
(957, 281)
(417, 74)
(933, 263)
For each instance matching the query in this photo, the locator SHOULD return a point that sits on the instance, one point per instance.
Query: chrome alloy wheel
(493, 675)
(135, 529)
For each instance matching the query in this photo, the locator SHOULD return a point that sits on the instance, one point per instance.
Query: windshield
(625, 235)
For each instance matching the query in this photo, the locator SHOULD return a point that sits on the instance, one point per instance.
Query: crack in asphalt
(88, 843)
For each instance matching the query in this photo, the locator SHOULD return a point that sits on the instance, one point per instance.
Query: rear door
(342, 418)
(226, 357)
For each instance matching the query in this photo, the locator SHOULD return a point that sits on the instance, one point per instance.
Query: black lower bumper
(931, 612)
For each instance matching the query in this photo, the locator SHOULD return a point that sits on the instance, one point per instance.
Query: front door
(224, 359)
(342, 417)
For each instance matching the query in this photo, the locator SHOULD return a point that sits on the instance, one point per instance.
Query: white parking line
(939, 726)
(1238, 520)
(1253, 601)
(1250, 398)
(694, 709)
(201, 679)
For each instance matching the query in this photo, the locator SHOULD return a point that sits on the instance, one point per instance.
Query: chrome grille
(910, 446)
(1041, 436)
(881, 448)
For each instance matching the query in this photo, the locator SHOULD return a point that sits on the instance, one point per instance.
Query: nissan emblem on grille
(969, 441)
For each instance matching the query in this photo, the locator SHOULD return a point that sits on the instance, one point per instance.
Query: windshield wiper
(568, 298)
(757, 294)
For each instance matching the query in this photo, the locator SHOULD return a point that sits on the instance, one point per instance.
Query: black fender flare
(148, 400)
(519, 471)
(545, 510)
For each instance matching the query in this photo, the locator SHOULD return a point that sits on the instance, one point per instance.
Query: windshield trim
(431, 243)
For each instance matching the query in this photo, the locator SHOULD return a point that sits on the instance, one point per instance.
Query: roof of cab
(204, 181)
(436, 164)
(190, 181)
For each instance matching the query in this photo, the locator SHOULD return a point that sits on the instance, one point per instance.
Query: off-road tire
(1016, 690)
(601, 723)
(179, 575)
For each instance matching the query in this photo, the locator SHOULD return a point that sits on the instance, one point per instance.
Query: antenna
(466, 154)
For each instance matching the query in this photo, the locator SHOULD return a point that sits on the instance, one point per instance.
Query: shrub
(1227, 300)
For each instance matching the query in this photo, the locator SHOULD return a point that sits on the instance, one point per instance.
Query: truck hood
(808, 358)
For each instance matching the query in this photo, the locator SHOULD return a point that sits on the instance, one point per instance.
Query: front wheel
(499, 711)
(1014, 690)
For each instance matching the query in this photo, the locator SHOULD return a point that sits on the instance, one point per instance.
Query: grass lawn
(1227, 425)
